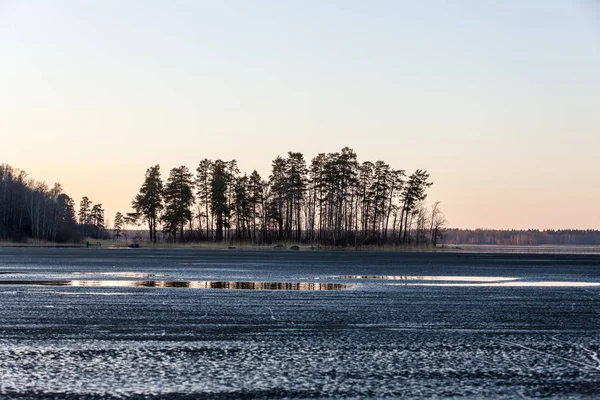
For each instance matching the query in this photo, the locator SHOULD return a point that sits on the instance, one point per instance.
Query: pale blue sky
(499, 100)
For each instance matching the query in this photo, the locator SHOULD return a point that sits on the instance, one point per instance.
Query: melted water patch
(508, 284)
(430, 278)
(120, 274)
(234, 285)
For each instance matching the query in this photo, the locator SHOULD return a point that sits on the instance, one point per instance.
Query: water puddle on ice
(430, 278)
(120, 274)
(235, 285)
(508, 284)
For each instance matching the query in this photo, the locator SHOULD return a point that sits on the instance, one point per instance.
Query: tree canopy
(333, 200)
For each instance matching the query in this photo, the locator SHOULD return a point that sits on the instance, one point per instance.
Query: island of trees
(334, 200)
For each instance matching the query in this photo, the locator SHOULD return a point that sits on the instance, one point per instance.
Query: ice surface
(499, 338)
(430, 278)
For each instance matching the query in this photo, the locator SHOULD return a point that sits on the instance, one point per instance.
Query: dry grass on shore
(112, 244)
(260, 247)
(452, 248)
(103, 243)
(39, 243)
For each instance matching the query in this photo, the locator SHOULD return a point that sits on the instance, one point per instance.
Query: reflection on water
(429, 278)
(188, 284)
(120, 274)
(508, 284)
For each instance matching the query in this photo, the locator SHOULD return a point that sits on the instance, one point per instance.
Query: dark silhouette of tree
(296, 179)
(232, 172)
(414, 192)
(179, 197)
(241, 208)
(256, 189)
(119, 223)
(278, 194)
(66, 221)
(379, 190)
(30, 209)
(96, 221)
(203, 195)
(36, 201)
(220, 208)
(366, 174)
(314, 196)
(348, 181)
(85, 213)
(438, 222)
(148, 203)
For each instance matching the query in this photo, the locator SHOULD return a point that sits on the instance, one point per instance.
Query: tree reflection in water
(236, 285)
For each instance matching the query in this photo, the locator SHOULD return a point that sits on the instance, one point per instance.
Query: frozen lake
(125, 323)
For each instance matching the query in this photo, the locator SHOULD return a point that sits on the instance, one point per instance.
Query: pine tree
(255, 201)
(203, 184)
(84, 214)
(148, 203)
(437, 221)
(67, 222)
(414, 192)
(365, 181)
(315, 197)
(218, 199)
(97, 220)
(279, 188)
(241, 207)
(179, 197)
(119, 222)
(296, 178)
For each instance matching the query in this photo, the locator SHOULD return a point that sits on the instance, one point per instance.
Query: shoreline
(451, 248)
(109, 244)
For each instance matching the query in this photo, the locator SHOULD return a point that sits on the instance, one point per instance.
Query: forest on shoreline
(30, 209)
(334, 200)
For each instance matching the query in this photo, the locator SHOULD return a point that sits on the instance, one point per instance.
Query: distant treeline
(333, 200)
(522, 237)
(31, 209)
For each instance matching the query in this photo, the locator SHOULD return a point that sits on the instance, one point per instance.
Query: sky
(499, 101)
